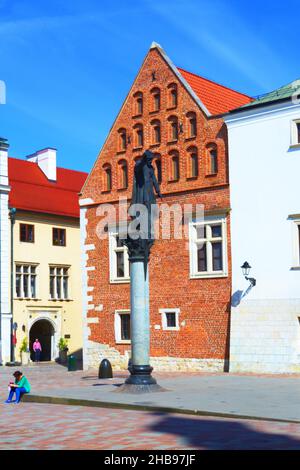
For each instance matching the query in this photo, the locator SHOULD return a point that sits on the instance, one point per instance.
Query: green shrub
(62, 344)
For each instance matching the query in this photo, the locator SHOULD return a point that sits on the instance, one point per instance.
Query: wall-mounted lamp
(246, 270)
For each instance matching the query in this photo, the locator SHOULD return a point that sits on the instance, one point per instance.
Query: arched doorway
(44, 331)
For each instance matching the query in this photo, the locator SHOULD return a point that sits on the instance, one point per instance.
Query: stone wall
(265, 336)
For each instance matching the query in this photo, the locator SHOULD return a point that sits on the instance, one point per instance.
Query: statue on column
(144, 184)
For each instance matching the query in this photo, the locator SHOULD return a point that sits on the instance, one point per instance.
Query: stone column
(140, 379)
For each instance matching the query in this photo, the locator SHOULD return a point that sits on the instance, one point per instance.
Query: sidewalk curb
(158, 409)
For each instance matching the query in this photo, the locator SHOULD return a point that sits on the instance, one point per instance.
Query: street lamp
(246, 270)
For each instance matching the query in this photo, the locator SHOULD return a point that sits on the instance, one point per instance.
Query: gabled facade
(174, 114)
(264, 149)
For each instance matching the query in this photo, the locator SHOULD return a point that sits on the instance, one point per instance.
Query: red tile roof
(216, 98)
(32, 191)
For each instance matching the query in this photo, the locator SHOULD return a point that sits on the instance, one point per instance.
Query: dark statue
(144, 183)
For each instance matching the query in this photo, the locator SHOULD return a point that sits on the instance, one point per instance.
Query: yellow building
(46, 288)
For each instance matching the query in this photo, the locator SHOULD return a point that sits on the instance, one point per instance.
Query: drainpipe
(12, 214)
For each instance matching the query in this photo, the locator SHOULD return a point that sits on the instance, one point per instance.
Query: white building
(264, 169)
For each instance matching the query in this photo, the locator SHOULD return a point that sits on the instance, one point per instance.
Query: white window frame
(208, 221)
(295, 243)
(29, 265)
(164, 323)
(59, 266)
(113, 250)
(294, 133)
(118, 336)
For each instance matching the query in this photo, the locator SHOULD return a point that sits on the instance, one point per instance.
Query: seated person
(20, 387)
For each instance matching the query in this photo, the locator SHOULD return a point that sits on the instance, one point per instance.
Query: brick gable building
(174, 114)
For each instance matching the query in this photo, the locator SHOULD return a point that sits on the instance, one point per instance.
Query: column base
(140, 381)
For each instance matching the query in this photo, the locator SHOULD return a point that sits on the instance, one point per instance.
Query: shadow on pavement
(228, 435)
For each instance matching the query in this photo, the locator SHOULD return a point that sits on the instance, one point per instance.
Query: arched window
(156, 132)
(138, 103)
(192, 162)
(173, 128)
(155, 99)
(122, 140)
(157, 167)
(175, 171)
(138, 135)
(172, 95)
(212, 159)
(123, 174)
(107, 177)
(191, 124)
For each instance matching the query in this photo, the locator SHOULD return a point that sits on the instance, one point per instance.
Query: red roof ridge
(58, 168)
(214, 82)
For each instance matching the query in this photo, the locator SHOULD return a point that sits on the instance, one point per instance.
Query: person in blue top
(20, 387)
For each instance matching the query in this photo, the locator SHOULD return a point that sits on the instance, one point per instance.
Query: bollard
(105, 370)
(71, 363)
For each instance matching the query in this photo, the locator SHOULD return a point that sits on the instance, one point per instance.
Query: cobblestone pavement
(48, 427)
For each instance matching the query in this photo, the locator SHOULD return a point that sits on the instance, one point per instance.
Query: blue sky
(68, 65)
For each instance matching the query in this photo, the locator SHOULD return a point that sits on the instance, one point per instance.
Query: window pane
(202, 259)
(18, 285)
(193, 127)
(125, 326)
(25, 269)
(298, 132)
(120, 264)
(217, 256)
(23, 233)
(156, 101)
(216, 231)
(213, 161)
(52, 291)
(119, 242)
(194, 161)
(33, 286)
(58, 287)
(171, 319)
(175, 164)
(25, 285)
(139, 102)
(18, 268)
(65, 286)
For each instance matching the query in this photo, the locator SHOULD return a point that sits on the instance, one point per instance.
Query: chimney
(46, 160)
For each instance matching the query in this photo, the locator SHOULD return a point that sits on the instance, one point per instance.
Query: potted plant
(24, 351)
(63, 350)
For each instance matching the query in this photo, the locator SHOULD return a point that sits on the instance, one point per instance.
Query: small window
(173, 129)
(212, 159)
(172, 95)
(192, 162)
(296, 242)
(122, 142)
(59, 236)
(107, 178)
(175, 171)
(138, 136)
(155, 99)
(27, 233)
(122, 326)
(138, 104)
(156, 133)
(192, 124)
(170, 318)
(123, 174)
(157, 168)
